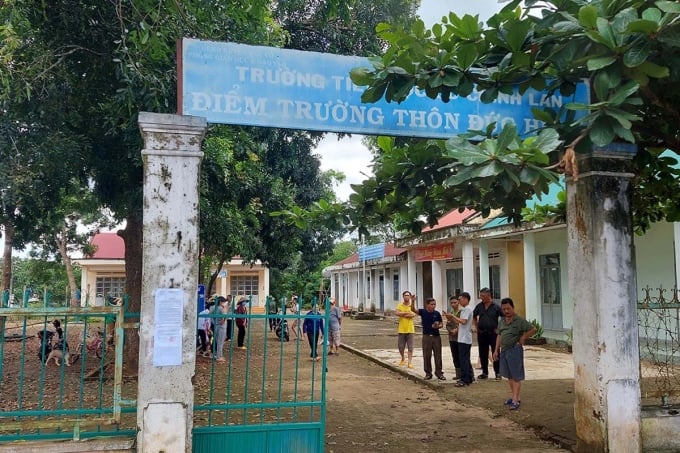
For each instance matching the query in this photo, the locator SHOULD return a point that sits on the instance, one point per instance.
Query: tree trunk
(61, 240)
(132, 236)
(7, 257)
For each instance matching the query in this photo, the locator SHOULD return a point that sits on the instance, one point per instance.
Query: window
(395, 286)
(454, 282)
(245, 285)
(111, 286)
(494, 281)
(551, 291)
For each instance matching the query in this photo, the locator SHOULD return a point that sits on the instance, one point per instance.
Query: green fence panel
(61, 374)
(268, 395)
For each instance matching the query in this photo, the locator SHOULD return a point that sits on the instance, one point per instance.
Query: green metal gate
(269, 396)
(58, 400)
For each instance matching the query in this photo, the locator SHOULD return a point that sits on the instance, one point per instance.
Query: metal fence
(61, 373)
(269, 393)
(659, 335)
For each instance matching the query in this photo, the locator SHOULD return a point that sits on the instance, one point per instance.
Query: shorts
(405, 339)
(334, 338)
(512, 363)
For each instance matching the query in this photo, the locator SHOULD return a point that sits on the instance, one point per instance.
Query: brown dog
(57, 355)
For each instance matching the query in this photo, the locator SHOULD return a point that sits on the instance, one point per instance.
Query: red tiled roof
(108, 246)
(390, 250)
(454, 217)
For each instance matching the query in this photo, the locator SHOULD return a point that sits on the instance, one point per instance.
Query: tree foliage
(627, 51)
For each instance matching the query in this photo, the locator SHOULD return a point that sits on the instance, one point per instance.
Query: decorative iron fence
(659, 336)
(61, 373)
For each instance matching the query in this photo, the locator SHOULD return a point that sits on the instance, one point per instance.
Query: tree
(627, 51)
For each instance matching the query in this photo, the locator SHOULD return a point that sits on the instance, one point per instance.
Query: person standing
(313, 327)
(452, 329)
(485, 320)
(230, 320)
(295, 310)
(203, 330)
(509, 351)
(334, 326)
(464, 321)
(272, 310)
(406, 311)
(432, 341)
(220, 328)
(241, 323)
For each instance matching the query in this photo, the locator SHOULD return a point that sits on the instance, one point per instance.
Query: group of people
(313, 328)
(499, 330)
(215, 326)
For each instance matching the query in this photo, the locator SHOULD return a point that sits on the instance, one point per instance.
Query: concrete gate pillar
(172, 156)
(603, 286)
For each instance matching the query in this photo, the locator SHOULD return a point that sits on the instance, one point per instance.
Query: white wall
(654, 257)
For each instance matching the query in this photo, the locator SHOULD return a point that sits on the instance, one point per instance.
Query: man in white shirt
(464, 321)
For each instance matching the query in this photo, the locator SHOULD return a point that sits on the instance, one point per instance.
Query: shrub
(539, 329)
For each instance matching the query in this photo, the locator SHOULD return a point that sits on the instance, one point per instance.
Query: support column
(412, 283)
(532, 303)
(468, 253)
(437, 291)
(484, 264)
(676, 239)
(172, 157)
(603, 287)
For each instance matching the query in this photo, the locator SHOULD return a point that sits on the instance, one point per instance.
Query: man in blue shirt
(432, 342)
(313, 327)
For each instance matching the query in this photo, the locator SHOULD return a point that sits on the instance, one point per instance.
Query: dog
(58, 355)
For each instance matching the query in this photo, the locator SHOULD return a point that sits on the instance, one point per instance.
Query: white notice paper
(167, 333)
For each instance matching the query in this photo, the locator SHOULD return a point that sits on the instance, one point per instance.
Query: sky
(348, 155)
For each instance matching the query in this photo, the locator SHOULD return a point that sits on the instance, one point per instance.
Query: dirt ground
(408, 414)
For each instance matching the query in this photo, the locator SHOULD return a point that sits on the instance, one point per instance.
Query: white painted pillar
(603, 287)
(483, 249)
(172, 157)
(412, 283)
(676, 242)
(468, 253)
(437, 291)
(531, 278)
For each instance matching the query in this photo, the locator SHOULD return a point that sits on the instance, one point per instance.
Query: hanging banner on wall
(233, 83)
(434, 252)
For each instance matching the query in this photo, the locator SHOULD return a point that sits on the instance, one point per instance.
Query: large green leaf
(517, 34)
(637, 54)
(669, 6)
(587, 16)
(602, 132)
(605, 30)
(624, 93)
(600, 62)
(643, 26)
(547, 141)
(466, 55)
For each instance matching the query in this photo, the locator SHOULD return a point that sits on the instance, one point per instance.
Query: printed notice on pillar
(167, 334)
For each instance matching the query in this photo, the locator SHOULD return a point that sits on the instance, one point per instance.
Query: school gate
(268, 398)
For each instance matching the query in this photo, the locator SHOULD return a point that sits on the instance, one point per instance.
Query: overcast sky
(348, 155)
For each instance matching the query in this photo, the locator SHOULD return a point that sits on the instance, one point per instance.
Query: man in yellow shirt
(406, 311)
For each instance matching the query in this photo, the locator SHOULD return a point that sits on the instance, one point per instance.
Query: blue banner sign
(371, 252)
(232, 83)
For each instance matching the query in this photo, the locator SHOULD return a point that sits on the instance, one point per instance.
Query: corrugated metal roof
(454, 217)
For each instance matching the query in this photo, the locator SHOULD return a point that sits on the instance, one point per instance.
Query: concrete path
(539, 363)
